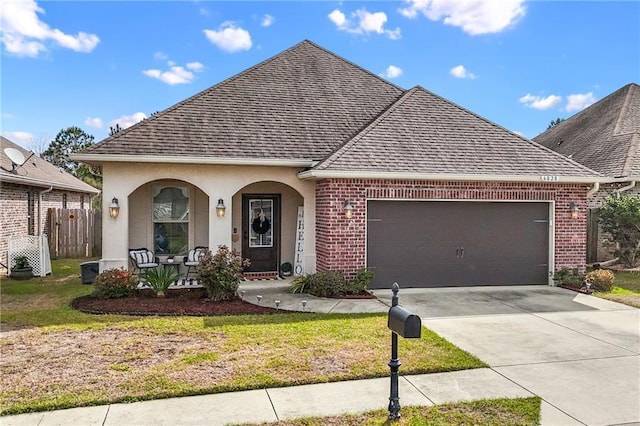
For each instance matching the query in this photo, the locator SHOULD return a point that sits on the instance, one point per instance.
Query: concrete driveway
(580, 354)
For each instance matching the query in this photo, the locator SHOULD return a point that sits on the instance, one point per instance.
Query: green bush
(361, 282)
(600, 279)
(160, 278)
(114, 283)
(220, 273)
(299, 285)
(326, 284)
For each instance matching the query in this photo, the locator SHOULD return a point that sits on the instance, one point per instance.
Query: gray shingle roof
(38, 172)
(424, 133)
(301, 104)
(604, 137)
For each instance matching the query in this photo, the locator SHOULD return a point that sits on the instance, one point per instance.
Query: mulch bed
(186, 301)
(582, 289)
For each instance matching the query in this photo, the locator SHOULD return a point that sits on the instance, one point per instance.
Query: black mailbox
(404, 323)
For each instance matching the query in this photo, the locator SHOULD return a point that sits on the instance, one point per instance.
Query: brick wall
(341, 242)
(14, 212)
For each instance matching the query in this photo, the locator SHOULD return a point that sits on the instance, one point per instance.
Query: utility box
(404, 323)
(89, 271)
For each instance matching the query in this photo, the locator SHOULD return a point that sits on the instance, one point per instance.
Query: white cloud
(461, 72)
(473, 16)
(8, 115)
(128, 120)
(94, 122)
(23, 139)
(24, 34)
(160, 55)
(579, 101)
(363, 22)
(230, 38)
(195, 66)
(267, 20)
(541, 103)
(175, 74)
(392, 72)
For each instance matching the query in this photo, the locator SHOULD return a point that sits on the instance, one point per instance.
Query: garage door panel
(433, 244)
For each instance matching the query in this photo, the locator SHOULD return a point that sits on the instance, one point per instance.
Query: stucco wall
(215, 181)
(341, 242)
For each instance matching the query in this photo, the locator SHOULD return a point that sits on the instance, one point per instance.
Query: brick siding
(341, 242)
(14, 212)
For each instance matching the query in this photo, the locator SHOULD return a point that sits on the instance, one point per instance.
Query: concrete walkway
(580, 354)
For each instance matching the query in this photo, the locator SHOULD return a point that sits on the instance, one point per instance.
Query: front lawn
(55, 357)
(626, 288)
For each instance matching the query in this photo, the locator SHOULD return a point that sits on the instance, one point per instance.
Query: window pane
(260, 220)
(171, 204)
(171, 238)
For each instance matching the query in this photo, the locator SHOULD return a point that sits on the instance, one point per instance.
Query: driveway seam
(561, 361)
(537, 315)
(418, 389)
(273, 407)
(533, 393)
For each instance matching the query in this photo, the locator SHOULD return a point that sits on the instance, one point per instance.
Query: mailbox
(404, 323)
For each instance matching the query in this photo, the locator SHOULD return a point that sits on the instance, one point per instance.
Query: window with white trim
(171, 220)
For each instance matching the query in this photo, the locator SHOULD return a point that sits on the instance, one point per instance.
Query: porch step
(255, 276)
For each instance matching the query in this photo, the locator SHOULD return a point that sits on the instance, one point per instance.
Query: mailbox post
(403, 323)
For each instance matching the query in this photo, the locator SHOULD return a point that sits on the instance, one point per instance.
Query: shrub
(114, 283)
(360, 282)
(600, 279)
(21, 262)
(160, 278)
(619, 215)
(568, 277)
(326, 284)
(299, 285)
(220, 273)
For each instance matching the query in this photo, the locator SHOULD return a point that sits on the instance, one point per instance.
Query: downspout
(596, 187)
(40, 207)
(626, 188)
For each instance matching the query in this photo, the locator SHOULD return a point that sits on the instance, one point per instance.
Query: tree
(68, 141)
(555, 122)
(620, 217)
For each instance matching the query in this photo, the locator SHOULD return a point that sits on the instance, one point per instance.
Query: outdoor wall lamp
(114, 208)
(220, 208)
(348, 209)
(574, 209)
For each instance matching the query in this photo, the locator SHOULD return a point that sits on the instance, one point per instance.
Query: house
(308, 159)
(604, 137)
(28, 190)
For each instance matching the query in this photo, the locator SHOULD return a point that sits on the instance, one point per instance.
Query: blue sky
(517, 63)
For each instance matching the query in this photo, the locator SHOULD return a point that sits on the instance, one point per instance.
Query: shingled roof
(425, 134)
(300, 104)
(38, 172)
(604, 137)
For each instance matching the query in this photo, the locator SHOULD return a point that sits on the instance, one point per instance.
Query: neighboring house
(604, 137)
(404, 182)
(27, 191)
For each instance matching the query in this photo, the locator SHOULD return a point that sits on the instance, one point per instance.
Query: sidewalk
(270, 405)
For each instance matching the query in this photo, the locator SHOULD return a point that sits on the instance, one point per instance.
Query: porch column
(309, 232)
(220, 228)
(115, 249)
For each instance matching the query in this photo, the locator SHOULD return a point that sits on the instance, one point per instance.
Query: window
(31, 213)
(171, 220)
(260, 219)
(64, 201)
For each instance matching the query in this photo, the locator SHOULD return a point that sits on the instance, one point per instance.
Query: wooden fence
(74, 232)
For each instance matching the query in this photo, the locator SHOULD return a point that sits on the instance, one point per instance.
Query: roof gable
(38, 172)
(423, 133)
(300, 104)
(604, 137)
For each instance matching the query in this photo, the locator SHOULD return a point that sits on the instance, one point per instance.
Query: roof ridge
(526, 140)
(623, 110)
(235, 77)
(344, 148)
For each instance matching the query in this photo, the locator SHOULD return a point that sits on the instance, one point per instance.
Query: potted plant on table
(21, 270)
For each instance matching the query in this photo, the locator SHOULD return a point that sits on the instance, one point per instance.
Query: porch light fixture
(348, 209)
(220, 208)
(114, 208)
(574, 209)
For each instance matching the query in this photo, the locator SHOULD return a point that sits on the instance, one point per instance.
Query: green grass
(626, 289)
(62, 358)
(498, 412)
(629, 280)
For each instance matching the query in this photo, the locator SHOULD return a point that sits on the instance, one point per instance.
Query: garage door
(441, 244)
